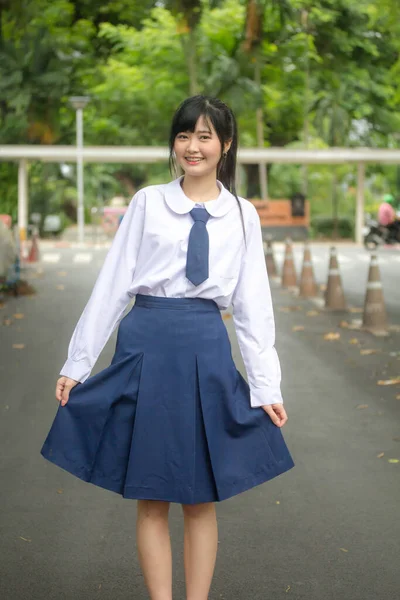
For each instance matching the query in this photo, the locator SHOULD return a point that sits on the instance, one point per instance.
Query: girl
(171, 419)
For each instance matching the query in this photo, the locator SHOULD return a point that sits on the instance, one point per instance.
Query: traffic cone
(289, 279)
(270, 260)
(33, 255)
(334, 296)
(375, 319)
(307, 286)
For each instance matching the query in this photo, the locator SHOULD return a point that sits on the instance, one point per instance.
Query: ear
(227, 145)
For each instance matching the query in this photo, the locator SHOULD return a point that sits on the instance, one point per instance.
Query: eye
(205, 137)
(181, 135)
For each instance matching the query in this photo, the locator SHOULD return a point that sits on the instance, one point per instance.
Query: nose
(192, 146)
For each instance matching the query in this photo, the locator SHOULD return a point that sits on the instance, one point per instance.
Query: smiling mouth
(193, 160)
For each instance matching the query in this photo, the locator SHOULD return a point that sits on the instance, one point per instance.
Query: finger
(65, 395)
(282, 418)
(274, 417)
(59, 390)
(281, 412)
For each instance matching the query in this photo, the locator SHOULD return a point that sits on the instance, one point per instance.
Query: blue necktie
(198, 247)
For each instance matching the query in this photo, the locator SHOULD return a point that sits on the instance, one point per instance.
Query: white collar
(181, 204)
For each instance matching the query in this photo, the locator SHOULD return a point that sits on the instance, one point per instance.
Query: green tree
(296, 72)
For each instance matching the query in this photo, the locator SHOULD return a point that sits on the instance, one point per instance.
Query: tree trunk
(252, 181)
(189, 49)
(304, 18)
(262, 167)
(127, 181)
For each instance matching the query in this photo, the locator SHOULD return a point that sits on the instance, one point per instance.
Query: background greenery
(303, 73)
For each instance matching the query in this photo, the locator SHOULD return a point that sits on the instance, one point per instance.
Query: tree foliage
(328, 75)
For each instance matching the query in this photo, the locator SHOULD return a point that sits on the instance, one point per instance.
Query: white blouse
(148, 256)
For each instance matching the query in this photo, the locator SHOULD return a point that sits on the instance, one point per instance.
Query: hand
(277, 413)
(63, 388)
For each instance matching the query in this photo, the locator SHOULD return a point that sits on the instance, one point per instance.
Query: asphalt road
(353, 263)
(326, 530)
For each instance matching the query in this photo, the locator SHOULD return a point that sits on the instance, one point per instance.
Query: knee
(152, 509)
(197, 511)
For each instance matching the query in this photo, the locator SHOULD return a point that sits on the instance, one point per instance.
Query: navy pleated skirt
(170, 418)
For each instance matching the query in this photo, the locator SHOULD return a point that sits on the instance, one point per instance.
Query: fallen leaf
(331, 336)
(291, 308)
(288, 588)
(343, 549)
(355, 309)
(60, 287)
(226, 316)
(380, 455)
(343, 324)
(393, 460)
(355, 324)
(18, 346)
(2, 305)
(367, 351)
(354, 341)
(7, 322)
(312, 313)
(398, 397)
(18, 316)
(394, 381)
(60, 491)
(25, 539)
(277, 502)
(362, 406)
(298, 328)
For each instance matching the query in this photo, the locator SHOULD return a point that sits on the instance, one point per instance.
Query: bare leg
(200, 548)
(154, 547)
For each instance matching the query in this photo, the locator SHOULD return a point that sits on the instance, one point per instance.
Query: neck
(201, 189)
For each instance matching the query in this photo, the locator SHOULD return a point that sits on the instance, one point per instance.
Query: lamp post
(79, 103)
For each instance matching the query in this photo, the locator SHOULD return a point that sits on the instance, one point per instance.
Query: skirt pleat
(170, 418)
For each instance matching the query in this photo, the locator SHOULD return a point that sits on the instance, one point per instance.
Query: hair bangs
(186, 118)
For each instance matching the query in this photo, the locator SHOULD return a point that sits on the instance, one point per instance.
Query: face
(199, 152)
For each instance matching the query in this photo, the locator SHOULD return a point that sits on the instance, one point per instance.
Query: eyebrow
(201, 131)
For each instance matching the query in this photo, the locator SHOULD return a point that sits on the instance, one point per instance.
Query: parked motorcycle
(375, 235)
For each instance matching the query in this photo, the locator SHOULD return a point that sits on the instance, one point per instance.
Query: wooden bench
(277, 220)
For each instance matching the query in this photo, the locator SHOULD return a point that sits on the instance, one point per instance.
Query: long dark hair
(223, 120)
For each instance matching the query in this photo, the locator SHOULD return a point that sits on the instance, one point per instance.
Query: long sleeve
(254, 321)
(109, 297)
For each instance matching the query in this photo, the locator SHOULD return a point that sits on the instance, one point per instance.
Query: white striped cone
(307, 286)
(374, 318)
(33, 255)
(334, 296)
(289, 279)
(270, 260)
